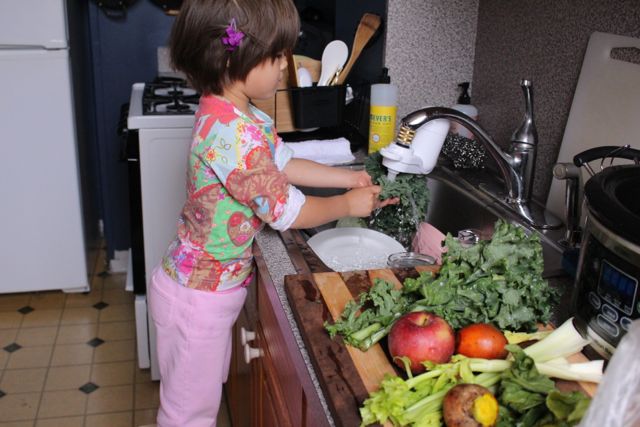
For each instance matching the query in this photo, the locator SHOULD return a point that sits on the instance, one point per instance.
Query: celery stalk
(562, 342)
(587, 371)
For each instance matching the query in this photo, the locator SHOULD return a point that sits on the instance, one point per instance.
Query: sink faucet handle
(526, 132)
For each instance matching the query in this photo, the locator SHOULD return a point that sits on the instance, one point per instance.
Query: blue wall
(123, 53)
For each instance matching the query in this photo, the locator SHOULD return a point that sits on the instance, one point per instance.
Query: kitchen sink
(458, 202)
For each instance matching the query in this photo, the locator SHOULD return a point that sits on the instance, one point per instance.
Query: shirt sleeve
(283, 153)
(245, 164)
(291, 211)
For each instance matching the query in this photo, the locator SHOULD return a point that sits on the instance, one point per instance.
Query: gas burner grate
(169, 96)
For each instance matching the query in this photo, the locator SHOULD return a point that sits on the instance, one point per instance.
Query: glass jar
(409, 259)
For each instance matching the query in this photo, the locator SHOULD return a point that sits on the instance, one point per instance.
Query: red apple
(421, 336)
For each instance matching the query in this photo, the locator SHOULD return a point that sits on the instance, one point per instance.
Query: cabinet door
(278, 363)
(274, 409)
(241, 403)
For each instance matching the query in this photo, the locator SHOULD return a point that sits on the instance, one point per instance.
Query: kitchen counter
(283, 254)
(279, 263)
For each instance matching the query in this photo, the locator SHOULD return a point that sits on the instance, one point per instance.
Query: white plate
(353, 248)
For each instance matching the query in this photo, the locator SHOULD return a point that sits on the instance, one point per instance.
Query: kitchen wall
(430, 49)
(123, 53)
(544, 41)
(435, 44)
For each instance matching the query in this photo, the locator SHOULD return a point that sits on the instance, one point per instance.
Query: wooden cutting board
(346, 374)
(606, 105)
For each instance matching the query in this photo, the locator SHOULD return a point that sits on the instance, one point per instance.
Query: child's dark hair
(270, 27)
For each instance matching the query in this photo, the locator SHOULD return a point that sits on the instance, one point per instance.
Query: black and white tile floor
(70, 359)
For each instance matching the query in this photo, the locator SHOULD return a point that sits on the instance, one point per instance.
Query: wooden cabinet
(273, 389)
(241, 375)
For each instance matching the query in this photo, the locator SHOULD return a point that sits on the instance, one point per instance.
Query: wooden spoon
(367, 27)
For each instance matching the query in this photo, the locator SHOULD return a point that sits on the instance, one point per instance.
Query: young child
(240, 176)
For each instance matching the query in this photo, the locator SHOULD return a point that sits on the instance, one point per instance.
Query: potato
(470, 405)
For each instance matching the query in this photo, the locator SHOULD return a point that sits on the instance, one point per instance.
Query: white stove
(159, 122)
(170, 104)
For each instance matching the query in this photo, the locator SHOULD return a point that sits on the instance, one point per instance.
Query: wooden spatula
(292, 70)
(367, 27)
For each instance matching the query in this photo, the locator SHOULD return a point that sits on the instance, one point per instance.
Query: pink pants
(194, 349)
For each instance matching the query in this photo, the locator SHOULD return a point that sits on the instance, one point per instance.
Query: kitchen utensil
(369, 24)
(304, 77)
(605, 107)
(278, 107)
(353, 248)
(333, 58)
(292, 70)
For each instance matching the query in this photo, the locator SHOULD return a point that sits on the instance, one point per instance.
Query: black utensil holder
(318, 106)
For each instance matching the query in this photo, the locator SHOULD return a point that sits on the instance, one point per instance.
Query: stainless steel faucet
(516, 165)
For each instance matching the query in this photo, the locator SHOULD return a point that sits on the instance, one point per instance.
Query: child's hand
(362, 201)
(360, 179)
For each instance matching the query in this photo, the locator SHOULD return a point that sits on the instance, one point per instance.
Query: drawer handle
(251, 353)
(246, 336)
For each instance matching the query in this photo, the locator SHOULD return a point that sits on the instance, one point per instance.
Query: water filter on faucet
(419, 155)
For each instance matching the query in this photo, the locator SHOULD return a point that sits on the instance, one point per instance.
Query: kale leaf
(402, 220)
(497, 281)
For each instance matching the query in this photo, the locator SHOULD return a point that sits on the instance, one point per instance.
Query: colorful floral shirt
(235, 184)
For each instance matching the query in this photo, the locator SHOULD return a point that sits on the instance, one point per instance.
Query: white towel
(327, 151)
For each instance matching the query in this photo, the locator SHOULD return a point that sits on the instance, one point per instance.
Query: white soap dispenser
(464, 106)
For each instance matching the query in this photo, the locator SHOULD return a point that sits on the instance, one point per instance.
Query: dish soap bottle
(464, 106)
(382, 113)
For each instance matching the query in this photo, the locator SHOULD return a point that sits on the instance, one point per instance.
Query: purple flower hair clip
(234, 36)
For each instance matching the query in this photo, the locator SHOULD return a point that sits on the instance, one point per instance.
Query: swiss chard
(530, 399)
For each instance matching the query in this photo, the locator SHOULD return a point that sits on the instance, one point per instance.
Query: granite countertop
(279, 264)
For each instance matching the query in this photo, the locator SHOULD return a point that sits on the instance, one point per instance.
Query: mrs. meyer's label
(382, 123)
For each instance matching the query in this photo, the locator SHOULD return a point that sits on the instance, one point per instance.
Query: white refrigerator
(41, 226)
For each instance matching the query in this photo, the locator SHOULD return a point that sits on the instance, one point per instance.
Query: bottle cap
(384, 77)
(464, 97)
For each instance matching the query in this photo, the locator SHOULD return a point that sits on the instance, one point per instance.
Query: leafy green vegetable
(491, 282)
(567, 406)
(367, 321)
(417, 401)
(528, 398)
(497, 281)
(522, 386)
(399, 221)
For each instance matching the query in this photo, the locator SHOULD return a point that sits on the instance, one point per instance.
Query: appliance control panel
(607, 294)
